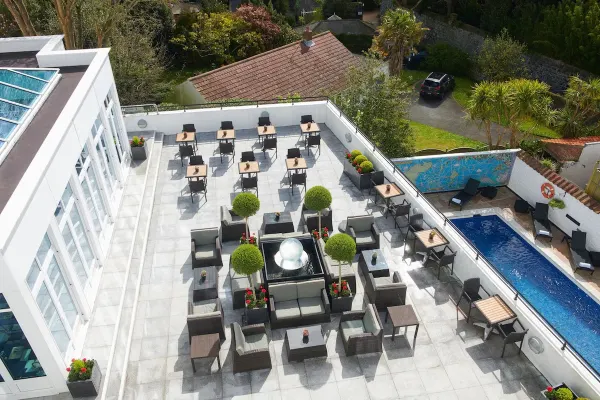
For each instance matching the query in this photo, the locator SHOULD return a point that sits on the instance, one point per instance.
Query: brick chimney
(307, 41)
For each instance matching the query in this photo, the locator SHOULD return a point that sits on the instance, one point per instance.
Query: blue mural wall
(441, 173)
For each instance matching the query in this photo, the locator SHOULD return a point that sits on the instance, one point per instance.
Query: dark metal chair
(248, 156)
(377, 178)
(416, 223)
(412, 247)
(401, 211)
(511, 335)
(299, 178)
(196, 160)
(186, 150)
(313, 141)
(470, 293)
(293, 153)
(226, 148)
(305, 119)
(443, 258)
(264, 121)
(250, 183)
(189, 128)
(269, 144)
(197, 186)
(226, 125)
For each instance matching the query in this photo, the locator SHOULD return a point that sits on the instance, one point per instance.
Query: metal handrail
(418, 193)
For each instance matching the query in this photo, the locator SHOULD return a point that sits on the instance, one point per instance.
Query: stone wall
(469, 39)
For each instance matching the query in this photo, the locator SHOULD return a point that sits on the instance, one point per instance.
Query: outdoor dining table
(292, 165)
(192, 172)
(495, 311)
(387, 192)
(266, 131)
(310, 130)
(186, 137)
(226, 135)
(248, 167)
(430, 244)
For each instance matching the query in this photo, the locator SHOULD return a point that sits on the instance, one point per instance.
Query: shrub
(557, 203)
(445, 58)
(548, 163)
(355, 153)
(80, 370)
(360, 159)
(533, 147)
(246, 204)
(341, 247)
(137, 141)
(246, 260)
(317, 198)
(562, 394)
(366, 167)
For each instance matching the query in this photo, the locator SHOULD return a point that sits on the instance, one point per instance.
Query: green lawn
(462, 91)
(428, 137)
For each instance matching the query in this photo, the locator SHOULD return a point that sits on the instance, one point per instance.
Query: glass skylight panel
(22, 81)
(11, 111)
(17, 95)
(6, 129)
(38, 73)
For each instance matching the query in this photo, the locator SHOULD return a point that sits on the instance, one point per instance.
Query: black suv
(437, 85)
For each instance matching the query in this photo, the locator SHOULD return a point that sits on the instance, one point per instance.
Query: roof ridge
(237, 63)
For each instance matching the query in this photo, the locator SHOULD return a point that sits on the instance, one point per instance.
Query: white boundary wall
(557, 366)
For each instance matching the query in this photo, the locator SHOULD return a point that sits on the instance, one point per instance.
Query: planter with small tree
(138, 148)
(318, 198)
(84, 378)
(341, 248)
(247, 260)
(246, 205)
(358, 169)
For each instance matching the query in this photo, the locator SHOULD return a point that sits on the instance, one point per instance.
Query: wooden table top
(289, 162)
(191, 171)
(313, 128)
(403, 316)
(495, 310)
(225, 135)
(253, 167)
(438, 239)
(203, 346)
(185, 137)
(394, 190)
(270, 130)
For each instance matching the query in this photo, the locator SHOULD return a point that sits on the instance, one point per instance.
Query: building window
(96, 126)
(15, 351)
(93, 198)
(81, 164)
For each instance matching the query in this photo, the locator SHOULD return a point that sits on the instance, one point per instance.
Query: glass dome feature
(291, 255)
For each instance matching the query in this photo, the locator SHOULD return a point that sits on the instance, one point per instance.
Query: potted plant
(256, 310)
(248, 239)
(560, 392)
(557, 203)
(358, 169)
(324, 234)
(138, 148)
(318, 198)
(84, 378)
(246, 260)
(342, 248)
(246, 205)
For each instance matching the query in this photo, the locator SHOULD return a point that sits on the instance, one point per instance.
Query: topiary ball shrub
(246, 204)
(360, 159)
(355, 153)
(366, 167)
(341, 247)
(247, 259)
(317, 198)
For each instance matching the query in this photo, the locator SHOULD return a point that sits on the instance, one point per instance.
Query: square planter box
(139, 153)
(361, 181)
(562, 385)
(257, 315)
(87, 388)
(341, 304)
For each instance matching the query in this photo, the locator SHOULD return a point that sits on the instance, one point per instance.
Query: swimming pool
(566, 307)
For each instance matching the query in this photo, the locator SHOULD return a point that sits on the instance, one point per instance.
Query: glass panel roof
(11, 111)
(6, 129)
(38, 73)
(20, 80)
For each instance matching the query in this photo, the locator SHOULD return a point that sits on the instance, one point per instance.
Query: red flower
(68, 369)
(549, 389)
(83, 370)
(264, 290)
(335, 291)
(359, 170)
(84, 360)
(326, 229)
(247, 301)
(325, 234)
(72, 360)
(243, 235)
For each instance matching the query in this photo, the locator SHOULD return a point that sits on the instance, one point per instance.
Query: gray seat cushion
(311, 306)
(287, 309)
(204, 307)
(240, 340)
(310, 288)
(204, 236)
(239, 281)
(361, 224)
(257, 342)
(383, 281)
(226, 215)
(206, 251)
(283, 291)
(370, 321)
(354, 327)
(364, 237)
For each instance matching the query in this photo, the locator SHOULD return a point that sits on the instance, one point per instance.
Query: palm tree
(398, 33)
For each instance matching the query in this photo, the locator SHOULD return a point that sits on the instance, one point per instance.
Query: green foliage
(246, 204)
(469, 11)
(317, 198)
(548, 163)
(429, 137)
(501, 58)
(366, 167)
(357, 44)
(562, 393)
(495, 15)
(137, 141)
(443, 57)
(360, 159)
(341, 247)
(581, 114)
(156, 13)
(533, 147)
(80, 370)
(355, 153)
(247, 259)
(344, 9)
(378, 104)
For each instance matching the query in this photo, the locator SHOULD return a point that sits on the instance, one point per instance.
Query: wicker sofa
(205, 317)
(311, 219)
(331, 269)
(298, 303)
(362, 331)
(250, 347)
(385, 291)
(232, 225)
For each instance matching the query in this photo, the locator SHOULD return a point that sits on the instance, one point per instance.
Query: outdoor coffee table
(379, 268)
(205, 346)
(299, 349)
(205, 289)
(495, 311)
(403, 316)
(283, 224)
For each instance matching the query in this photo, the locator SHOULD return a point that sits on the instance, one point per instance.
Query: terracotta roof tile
(568, 149)
(561, 182)
(280, 72)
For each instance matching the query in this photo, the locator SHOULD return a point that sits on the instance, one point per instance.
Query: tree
(398, 33)
(501, 58)
(158, 14)
(481, 108)
(247, 259)
(317, 198)
(581, 114)
(259, 20)
(342, 248)
(246, 205)
(19, 12)
(378, 104)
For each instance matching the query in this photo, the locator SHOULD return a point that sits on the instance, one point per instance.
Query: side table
(207, 288)
(205, 346)
(402, 316)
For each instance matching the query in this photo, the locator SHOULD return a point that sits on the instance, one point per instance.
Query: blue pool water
(567, 308)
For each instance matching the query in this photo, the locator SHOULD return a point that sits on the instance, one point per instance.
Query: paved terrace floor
(450, 359)
(556, 249)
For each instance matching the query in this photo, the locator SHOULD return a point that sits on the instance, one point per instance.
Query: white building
(63, 160)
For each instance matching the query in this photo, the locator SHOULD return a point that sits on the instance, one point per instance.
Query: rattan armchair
(250, 347)
(362, 331)
(205, 248)
(385, 291)
(205, 317)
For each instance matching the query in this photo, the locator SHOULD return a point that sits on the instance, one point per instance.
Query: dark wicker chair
(197, 185)
(186, 150)
(362, 331)
(386, 291)
(305, 119)
(226, 148)
(413, 248)
(269, 144)
(511, 335)
(226, 125)
(250, 347)
(400, 213)
(470, 293)
(264, 121)
(196, 160)
(298, 179)
(250, 182)
(248, 156)
(232, 225)
(204, 317)
(363, 230)
(206, 248)
(294, 152)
